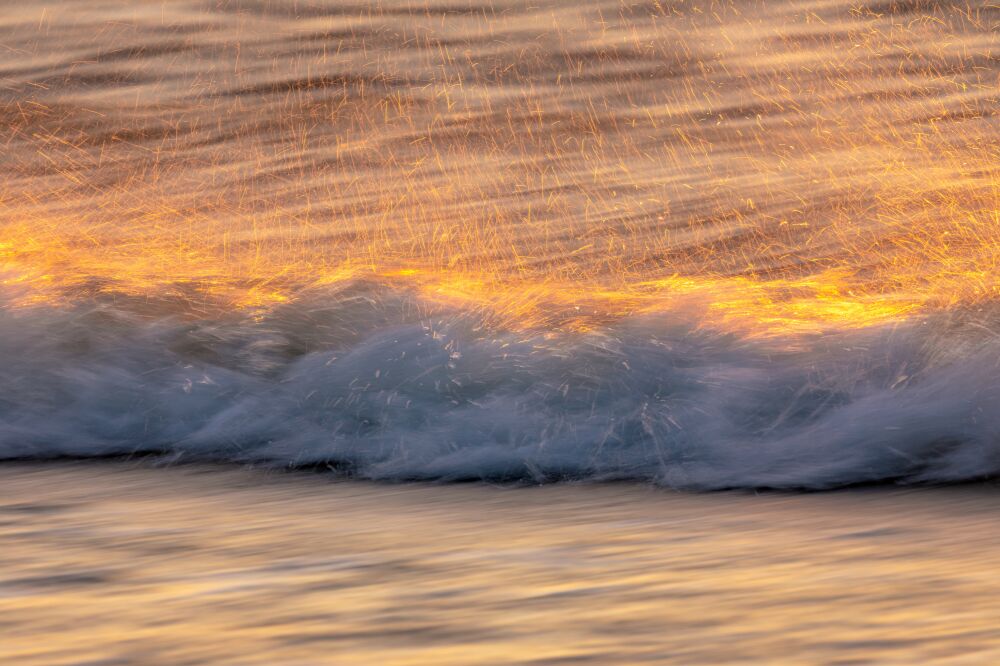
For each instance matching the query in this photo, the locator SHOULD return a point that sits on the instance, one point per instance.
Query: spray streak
(753, 150)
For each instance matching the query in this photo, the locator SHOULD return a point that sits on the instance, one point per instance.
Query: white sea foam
(359, 385)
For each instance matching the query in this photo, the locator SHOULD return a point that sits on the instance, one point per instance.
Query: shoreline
(132, 563)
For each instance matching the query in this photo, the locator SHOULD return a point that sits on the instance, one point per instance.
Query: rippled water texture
(124, 565)
(794, 164)
(702, 245)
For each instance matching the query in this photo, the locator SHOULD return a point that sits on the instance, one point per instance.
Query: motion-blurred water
(706, 244)
(698, 244)
(122, 564)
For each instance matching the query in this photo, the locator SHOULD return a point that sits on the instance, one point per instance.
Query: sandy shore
(123, 563)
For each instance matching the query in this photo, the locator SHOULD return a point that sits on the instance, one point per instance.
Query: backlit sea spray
(661, 245)
(706, 244)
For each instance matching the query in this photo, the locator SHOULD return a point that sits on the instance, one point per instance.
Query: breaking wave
(365, 384)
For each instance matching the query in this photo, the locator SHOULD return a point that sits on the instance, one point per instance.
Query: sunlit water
(694, 244)
(700, 243)
(122, 564)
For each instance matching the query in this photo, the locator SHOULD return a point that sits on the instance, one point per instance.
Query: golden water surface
(120, 564)
(785, 165)
(769, 168)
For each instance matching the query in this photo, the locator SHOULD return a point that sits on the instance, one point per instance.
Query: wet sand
(125, 563)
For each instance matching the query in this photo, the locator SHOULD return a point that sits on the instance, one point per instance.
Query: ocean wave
(368, 383)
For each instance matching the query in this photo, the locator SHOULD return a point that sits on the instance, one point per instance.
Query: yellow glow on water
(290, 570)
(830, 299)
(779, 168)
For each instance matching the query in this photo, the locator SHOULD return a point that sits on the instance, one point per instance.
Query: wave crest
(363, 382)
